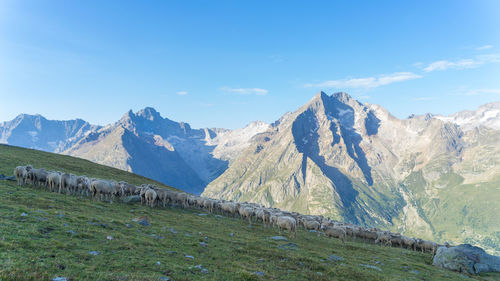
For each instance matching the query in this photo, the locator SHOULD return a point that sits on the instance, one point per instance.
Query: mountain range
(431, 176)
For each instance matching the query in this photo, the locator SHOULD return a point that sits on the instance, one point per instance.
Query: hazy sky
(227, 63)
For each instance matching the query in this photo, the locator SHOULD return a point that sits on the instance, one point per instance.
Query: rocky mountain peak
(149, 113)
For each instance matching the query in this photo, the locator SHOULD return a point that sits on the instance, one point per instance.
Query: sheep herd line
(151, 195)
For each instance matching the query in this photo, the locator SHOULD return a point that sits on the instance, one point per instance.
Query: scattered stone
(23, 214)
(203, 244)
(94, 253)
(66, 225)
(132, 199)
(279, 238)
(259, 273)
(164, 278)
(157, 236)
(59, 279)
(249, 226)
(202, 214)
(313, 231)
(219, 216)
(172, 230)
(158, 263)
(109, 237)
(288, 246)
(199, 233)
(203, 270)
(189, 257)
(71, 231)
(300, 263)
(319, 273)
(415, 271)
(60, 216)
(128, 225)
(261, 260)
(188, 234)
(231, 234)
(335, 258)
(466, 258)
(144, 221)
(171, 252)
(371, 266)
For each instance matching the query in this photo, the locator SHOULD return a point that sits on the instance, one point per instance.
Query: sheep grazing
(427, 246)
(286, 222)
(102, 188)
(264, 216)
(40, 177)
(67, 183)
(20, 173)
(162, 195)
(383, 238)
(150, 195)
(230, 208)
(311, 225)
(409, 243)
(53, 179)
(335, 232)
(247, 213)
(128, 189)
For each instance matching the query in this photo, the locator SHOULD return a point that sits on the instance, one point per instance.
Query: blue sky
(227, 63)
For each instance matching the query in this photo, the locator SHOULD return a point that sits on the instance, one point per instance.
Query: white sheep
(335, 232)
(150, 195)
(20, 173)
(287, 222)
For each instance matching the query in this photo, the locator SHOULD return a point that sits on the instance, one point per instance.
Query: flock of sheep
(152, 195)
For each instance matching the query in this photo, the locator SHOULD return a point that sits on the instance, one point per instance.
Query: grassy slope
(55, 238)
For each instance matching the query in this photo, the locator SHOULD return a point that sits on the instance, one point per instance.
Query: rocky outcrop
(466, 258)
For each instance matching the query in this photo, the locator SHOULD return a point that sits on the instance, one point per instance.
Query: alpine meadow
(250, 140)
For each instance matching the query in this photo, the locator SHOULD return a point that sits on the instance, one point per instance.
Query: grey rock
(319, 273)
(109, 237)
(202, 214)
(415, 271)
(231, 234)
(171, 252)
(203, 244)
(279, 238)
(158, 263)
(466, 258)
(288, 246)
(189, 257)
(219, 216)
(94, 253)
(164, 278)
(132, 199)
(172, 230)
(128, 225)
(371, 266)
(23, 214)
(59, 279)
(335, 258)
(259, 273)
(71, 231)
(144, 222)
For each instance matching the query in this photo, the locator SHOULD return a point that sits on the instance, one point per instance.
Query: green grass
(56, 235)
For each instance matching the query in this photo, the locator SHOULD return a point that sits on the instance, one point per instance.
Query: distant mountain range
(144, 143)
(430, 176)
